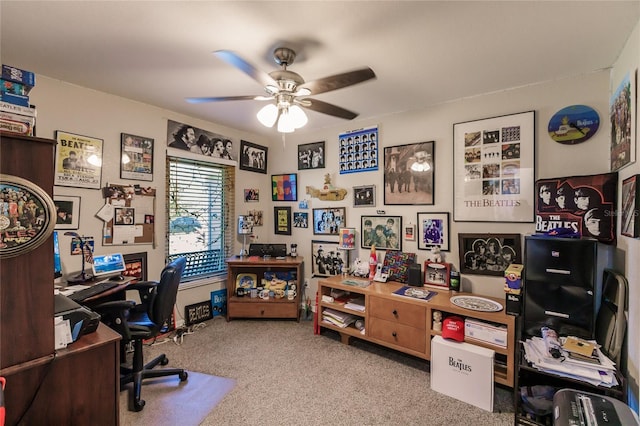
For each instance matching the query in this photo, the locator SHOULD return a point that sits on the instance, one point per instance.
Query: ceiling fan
(289, 90)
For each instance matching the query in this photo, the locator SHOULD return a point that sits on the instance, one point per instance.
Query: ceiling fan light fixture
(298, 117)
(268, 115)
(285, 122)
(303, 92)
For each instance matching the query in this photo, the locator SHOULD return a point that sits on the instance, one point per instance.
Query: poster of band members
(78, 160)
(584, 204)
(622, 114)
(359, 151)
(494, 169)
(409, 172)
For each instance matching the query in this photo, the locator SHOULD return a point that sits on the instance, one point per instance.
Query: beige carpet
(171, 402)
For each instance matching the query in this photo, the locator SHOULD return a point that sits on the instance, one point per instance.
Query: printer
(81, 319)
(576, 408)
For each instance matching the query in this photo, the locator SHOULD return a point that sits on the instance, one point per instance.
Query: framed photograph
(251, 195)
(78, 161)
(359, 151)
(253, 157)
(136, 264)
(136, 157)
(630, 207)
(494, 164)
(282, 220)
(256, 217)
(409, 172)
(364, 196)
(623, 123)
(311, 156)
(328, 259)
(436, 274)
(327, 221)
(202, 142)
(124, 216)
(284, 187)
(410, 232)
(300, 219)
(488, 254)
(67, 211)
(383, 231)
(433, 231)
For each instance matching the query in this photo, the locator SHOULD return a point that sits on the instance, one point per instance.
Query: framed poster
(433, 231)
(136, 264)
(631, 207)
(494, 164)
(382, 231)
(359, 151)
(328, 221)
(488, 254)
(300, 219)
(622, 113)
(78, 161)
(253, 157)
(311, 156)
(67, 211)
(409, 172)
(328, 259)
(284, 187)
(364, 196)
(198, 141)
(136, 157)
(282, 220)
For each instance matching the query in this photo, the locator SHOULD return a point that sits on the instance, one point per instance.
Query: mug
(264, 294)
(291, 294)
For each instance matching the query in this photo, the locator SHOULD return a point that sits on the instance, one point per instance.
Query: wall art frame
(284, 187)
(78, 161)
(200, 142)
(300, 219)
(253, 157)
(329, 220)
(136, 264)
(327, 258)
(389, 237)
(433, 231)
(494, 169)
(488, 254)
(630, 221)
(282, 220)
(67, 211)
(358, 150)
(364, 196)
(622, 113)
(409, 174)
(311, 156)
(136, 157)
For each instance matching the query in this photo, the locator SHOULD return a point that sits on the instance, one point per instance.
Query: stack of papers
(601, 373)
(338, 319)
(356, 303)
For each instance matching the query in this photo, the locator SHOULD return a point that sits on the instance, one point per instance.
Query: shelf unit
(247, 307)
(405, 324)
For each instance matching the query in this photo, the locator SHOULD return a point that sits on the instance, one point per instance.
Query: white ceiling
(423, 53)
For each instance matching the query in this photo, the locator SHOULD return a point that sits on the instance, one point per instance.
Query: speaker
(415, 275)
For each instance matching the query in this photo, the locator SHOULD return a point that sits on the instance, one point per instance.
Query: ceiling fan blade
(339, 81)
(253, 72)
(327, 108)
(227, 98)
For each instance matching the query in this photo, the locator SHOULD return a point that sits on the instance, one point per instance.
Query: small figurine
(434, 255)
(437, 321)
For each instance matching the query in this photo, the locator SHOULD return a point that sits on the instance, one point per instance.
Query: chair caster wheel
(183, 376)
(164, 361)
(138, 405)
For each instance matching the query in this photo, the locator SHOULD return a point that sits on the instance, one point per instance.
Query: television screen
(57, 264)
(108, 264)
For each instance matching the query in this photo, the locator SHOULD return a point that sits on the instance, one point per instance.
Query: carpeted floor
(286, 375)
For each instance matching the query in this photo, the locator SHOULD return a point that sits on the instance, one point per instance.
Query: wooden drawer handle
(395, 313)
(394, 334)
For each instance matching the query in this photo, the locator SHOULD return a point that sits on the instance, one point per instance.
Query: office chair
(138, 322)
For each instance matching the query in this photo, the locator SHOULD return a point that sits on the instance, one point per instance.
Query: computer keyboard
(95, 289)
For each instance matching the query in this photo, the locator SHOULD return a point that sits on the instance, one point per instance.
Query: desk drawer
(263, 310)
(399, 312)
(398, 334)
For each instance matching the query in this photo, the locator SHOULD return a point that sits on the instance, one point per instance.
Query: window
(200, 199)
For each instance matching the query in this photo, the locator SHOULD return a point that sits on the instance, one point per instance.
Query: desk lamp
(83, 276)
(245, 227)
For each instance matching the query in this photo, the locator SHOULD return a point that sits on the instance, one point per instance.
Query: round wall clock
(27, 216)
(574, 124)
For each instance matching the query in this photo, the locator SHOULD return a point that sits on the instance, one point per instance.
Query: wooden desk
(79, 385)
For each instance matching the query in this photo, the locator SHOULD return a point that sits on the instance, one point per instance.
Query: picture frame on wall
(630, 221)
(329, 220)
(253, 157)
(311, 156)
(409, 172)
(494, 164)
(284, 187)
(488, 254)
(136, 266)
(282, 220)
(78, 161)
(383, 231)
(67, 211)
(300, 219)
(358, 150)
(623, 123)
(364, 196)
(433, 231)
(136, 157)
(327, 258)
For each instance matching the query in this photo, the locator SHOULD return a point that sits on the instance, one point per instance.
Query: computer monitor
(108, 264)
(57, 264)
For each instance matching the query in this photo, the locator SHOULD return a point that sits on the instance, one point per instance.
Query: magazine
(415, 293)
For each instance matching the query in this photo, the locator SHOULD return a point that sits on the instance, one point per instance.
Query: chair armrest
(114, 314)
(115, 305)
(146, 290)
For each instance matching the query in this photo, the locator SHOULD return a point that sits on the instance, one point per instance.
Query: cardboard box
(513, 278)
(462, 371)
(485, 332)
(513, 303)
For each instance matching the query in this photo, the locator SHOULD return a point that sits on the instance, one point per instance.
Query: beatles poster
(78, 160)
(359, 151)
(584, 204)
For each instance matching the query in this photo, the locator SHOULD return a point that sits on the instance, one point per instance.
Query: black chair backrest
(167, 291)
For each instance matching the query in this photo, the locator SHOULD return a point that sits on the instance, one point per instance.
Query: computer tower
(563, 284)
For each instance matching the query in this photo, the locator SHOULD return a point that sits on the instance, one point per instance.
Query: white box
(485, 332)
(462, 371)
